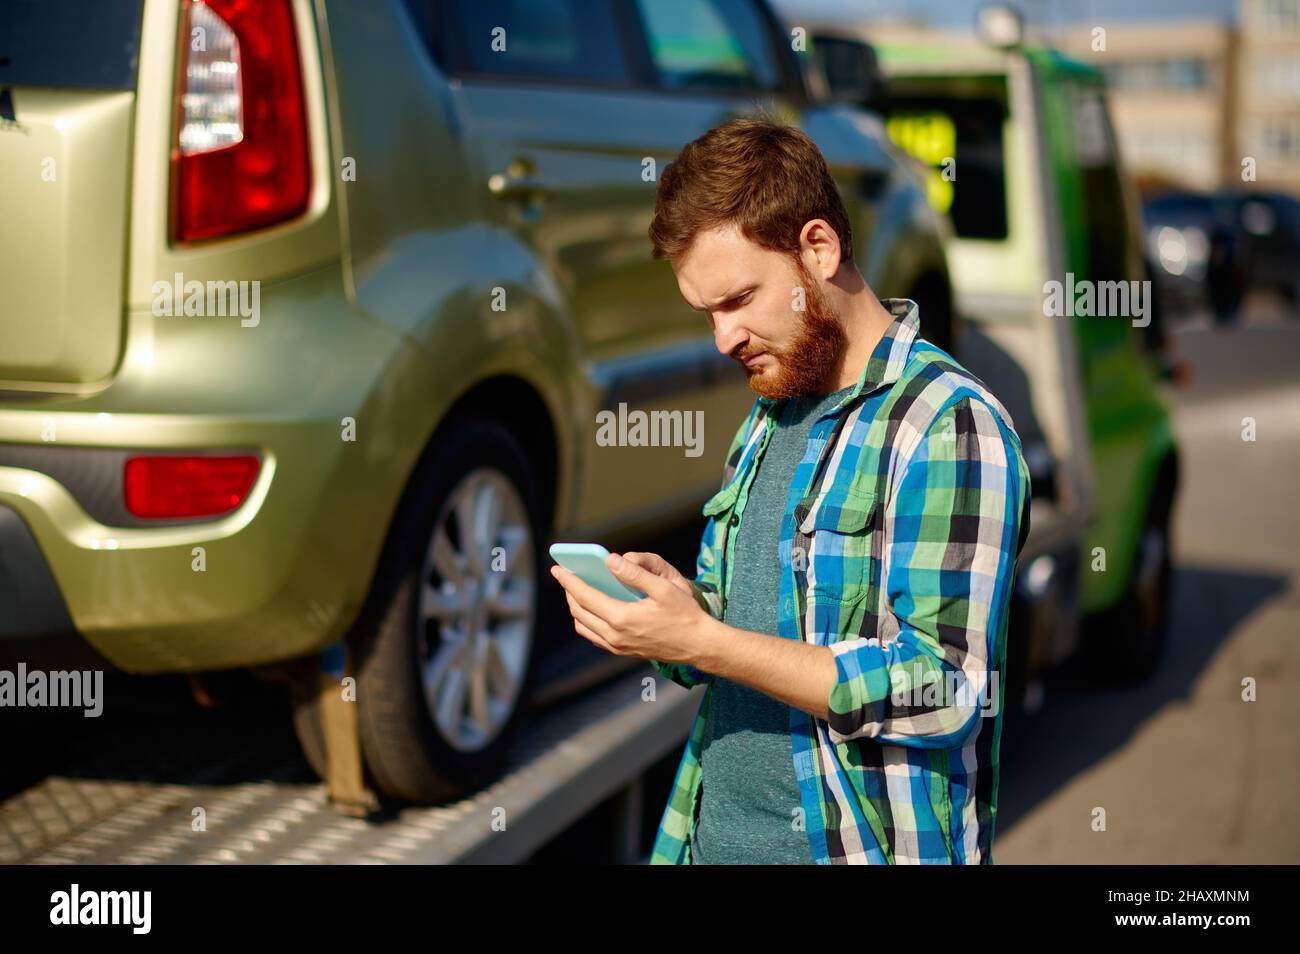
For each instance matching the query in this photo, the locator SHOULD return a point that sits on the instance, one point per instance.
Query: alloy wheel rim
(475, 611)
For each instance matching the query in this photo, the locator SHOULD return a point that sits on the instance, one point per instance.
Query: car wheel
(1015, 670)
(446, 660)
(307, 727)
(1125, 644)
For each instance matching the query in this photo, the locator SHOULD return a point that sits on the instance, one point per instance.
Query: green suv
(311, 313)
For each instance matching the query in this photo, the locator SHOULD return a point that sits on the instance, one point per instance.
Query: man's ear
(818, 237)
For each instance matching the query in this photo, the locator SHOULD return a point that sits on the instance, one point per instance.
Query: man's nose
(728, 335)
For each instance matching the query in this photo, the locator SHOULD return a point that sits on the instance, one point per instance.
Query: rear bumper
(283, 575)
(249, 588)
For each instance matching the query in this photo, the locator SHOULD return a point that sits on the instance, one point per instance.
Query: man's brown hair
(765, 177)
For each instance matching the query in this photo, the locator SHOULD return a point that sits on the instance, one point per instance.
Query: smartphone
(587, 560)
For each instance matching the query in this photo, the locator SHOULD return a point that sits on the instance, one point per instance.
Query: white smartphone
(587, 560)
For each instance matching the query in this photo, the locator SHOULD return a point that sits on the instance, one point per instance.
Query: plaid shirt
(898, 550)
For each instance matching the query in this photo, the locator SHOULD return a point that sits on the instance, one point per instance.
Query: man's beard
(806, 365)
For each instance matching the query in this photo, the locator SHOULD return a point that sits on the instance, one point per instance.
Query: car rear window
(70, 43)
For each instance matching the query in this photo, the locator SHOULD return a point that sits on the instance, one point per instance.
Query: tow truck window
(960, 139)
(1109, 235)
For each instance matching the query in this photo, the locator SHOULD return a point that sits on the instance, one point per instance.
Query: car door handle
(518, 183)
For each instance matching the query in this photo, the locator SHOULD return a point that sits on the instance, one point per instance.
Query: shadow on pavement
(1080, 724)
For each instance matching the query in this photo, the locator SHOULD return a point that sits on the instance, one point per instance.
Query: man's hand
(661, 567)
(669, 625)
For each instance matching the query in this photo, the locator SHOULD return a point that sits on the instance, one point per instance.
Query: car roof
(965, 55)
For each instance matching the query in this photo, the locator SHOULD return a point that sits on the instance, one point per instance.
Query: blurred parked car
(309, 310)
(1022, 157)
(1213, 248)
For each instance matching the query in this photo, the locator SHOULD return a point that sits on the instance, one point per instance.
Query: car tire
(418, 646)
(307, 727)
(1015, 671)
(1124, 644)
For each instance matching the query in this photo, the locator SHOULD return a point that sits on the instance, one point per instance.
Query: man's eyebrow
(726, 297)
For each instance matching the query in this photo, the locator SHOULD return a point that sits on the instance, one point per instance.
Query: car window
(1103, 204)
(68, 43)
(1204, 211)
(709, 44)
(1289, 215)
(565, 40)
(1183, 207)
(960, 139)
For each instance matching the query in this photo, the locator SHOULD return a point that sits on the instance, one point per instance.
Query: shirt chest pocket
(722, 504)
(835, 545)
(721, 508)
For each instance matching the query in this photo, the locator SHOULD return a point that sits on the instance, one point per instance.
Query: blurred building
(1172, 88)
(1191, 97)
(1267, 106)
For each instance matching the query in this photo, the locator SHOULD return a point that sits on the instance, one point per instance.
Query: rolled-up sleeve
(951, 538)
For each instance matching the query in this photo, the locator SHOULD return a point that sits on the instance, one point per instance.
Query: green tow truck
(1058, 318)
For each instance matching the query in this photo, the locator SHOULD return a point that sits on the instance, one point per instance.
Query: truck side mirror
(852, 71)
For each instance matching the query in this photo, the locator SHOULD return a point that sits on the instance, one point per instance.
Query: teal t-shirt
(749, 792)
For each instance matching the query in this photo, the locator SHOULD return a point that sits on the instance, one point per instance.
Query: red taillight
(240, 160)
(176, 486)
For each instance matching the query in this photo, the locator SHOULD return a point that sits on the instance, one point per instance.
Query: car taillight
(240, 160)
(179, 486)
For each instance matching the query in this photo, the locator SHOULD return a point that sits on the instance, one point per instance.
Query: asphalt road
(1185, 770)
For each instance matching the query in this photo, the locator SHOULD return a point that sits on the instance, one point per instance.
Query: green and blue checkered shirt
(898, 551)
